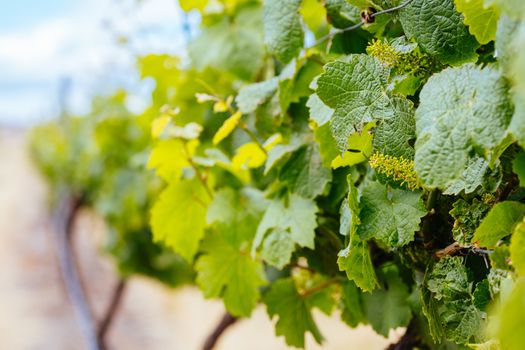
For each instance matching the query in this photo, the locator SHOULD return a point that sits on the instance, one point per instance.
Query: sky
(44, 43)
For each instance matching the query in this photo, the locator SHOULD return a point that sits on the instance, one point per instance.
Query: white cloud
(82, 45)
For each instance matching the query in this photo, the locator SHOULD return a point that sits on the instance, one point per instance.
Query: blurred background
(56, 56)
(60, 53)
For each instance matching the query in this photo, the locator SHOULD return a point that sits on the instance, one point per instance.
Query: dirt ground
(35, 312)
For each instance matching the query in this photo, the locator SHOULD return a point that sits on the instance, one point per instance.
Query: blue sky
(44, 41)
(16, 14)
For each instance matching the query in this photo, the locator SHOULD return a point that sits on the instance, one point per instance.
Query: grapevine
(364, 156)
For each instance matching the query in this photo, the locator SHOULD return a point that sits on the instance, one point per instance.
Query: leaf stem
(360, 24)
(252, 136)
(431, 200)
(395, 8)
(201, 178)
(206, 86)
(321, 286)
(199, 174)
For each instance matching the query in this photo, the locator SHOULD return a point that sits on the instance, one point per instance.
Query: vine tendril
(358, 25)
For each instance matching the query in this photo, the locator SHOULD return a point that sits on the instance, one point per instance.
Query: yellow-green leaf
(188, 5)
(159, 125)
(178, 218)
(273, 141)
(511, 318)
(499, 223)
(223, 105)
(249, 155)
(227, 127)
(169, 157)
(482, 21)
(314, 13)
(359, 148)
(517, 248)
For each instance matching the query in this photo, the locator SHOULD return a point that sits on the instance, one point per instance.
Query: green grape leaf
(230, 206)
(341, 13)
(277, 248)
(471, 178)
(448, 279)
(353, 199)
(327, 144)
(499, 223)
(356, 90)
(170, 157)
(451, 303)
(500, 281)
(349, 209)
(297, 219)
(482, 295)
(388, 307)
(518, 166)
(224, 270)
(482, 21)
(406, 84)
(345, 215)
(304, 173)
(178, 217)
(352, 313)
(355, 259)
(252, 96)
(287, 84)
(448, 40)
(467, 217)
(282, 28)
(517, 249)
(392, 216)
(393, 136)
(323, 299)
(463, 321)
(461, 110)
(499, 259)
(491, 344)
(279, 153)
(319, 112)
(511, 318)
(234, 44)
(307, 71)
(430, 311)
(293, 311)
